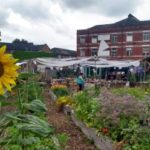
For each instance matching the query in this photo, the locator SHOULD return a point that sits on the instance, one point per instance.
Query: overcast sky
(55, 22)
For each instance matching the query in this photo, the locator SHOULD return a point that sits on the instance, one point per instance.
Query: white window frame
(129, 51)
(113, 52)
(114, 38)
(146, 36)
(94, 39)
(146, 51)
(129, 37)
(82, 39)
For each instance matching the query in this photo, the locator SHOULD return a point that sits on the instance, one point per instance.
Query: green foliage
(119, 116)
(137, 92)
(63, 139)
(86, 107)
(27, 128)
(26, 76)
(23, 55)
(60, 90)
(35, 106)
(32, 89)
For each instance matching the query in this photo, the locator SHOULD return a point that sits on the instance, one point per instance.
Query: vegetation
(137, 92)
(26, 127)
(23, 55)
(60, 90)
(122, 118)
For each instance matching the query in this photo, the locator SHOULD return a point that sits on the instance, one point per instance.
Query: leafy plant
(118, 115)
(26, 128)
(137, 92)
(60, 90)
(86, 108)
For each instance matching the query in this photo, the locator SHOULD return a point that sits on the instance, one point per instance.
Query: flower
(58, 86)
(8, 71)
(105, 130)
(64, 100)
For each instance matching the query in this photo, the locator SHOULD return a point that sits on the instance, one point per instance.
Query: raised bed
(100, 142)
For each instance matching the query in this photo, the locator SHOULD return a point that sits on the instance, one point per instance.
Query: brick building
(125, 39)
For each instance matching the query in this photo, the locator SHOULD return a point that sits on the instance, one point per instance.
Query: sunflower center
(1, 69)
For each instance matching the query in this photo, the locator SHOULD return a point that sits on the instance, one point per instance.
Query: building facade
(125, 39)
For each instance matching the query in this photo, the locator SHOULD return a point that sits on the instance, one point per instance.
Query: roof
(22, 46)
(62, 51)
(130, 21)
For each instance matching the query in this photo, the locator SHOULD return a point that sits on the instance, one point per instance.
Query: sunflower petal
(1, 89)
(2, 49)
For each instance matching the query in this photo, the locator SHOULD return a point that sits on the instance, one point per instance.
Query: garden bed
(63, 123)
(119, 118)
(100, 142)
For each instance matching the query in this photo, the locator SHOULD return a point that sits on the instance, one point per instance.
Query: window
(94, 39)
(94, 52)
(129, 37)
(146, 51)
(113, 52)
(146, 36)
(129, 51)
(82, 52)
(114, 39)
(82, 40)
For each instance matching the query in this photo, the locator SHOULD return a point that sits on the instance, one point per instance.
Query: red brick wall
(121, 43)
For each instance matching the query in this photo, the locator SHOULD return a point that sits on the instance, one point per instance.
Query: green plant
(86, 108)
(22, 55)
(63, 139)
(60, 90)
(137, 92)
(119, 116)
(26, 128)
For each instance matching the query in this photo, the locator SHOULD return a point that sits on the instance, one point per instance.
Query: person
(80, 82)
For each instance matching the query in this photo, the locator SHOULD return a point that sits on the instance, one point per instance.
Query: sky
(56, 22)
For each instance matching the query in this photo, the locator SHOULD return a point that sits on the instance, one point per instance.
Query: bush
(23, 55)
(60, 90)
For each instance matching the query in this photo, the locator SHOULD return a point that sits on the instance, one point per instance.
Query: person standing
(80, 82)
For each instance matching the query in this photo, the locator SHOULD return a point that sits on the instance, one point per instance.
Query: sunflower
(8, 71)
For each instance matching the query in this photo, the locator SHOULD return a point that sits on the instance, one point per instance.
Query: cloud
(105, 7)
(4, 14)
(55, 21)
(31, 9)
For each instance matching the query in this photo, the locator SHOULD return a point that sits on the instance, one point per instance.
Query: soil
(63, 124)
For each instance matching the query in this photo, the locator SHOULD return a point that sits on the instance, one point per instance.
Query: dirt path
(63, 124)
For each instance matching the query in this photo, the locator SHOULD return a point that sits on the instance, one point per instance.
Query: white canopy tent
(98, 63)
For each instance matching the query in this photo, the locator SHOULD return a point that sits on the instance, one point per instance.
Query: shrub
(64, 100)
(60, 90)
